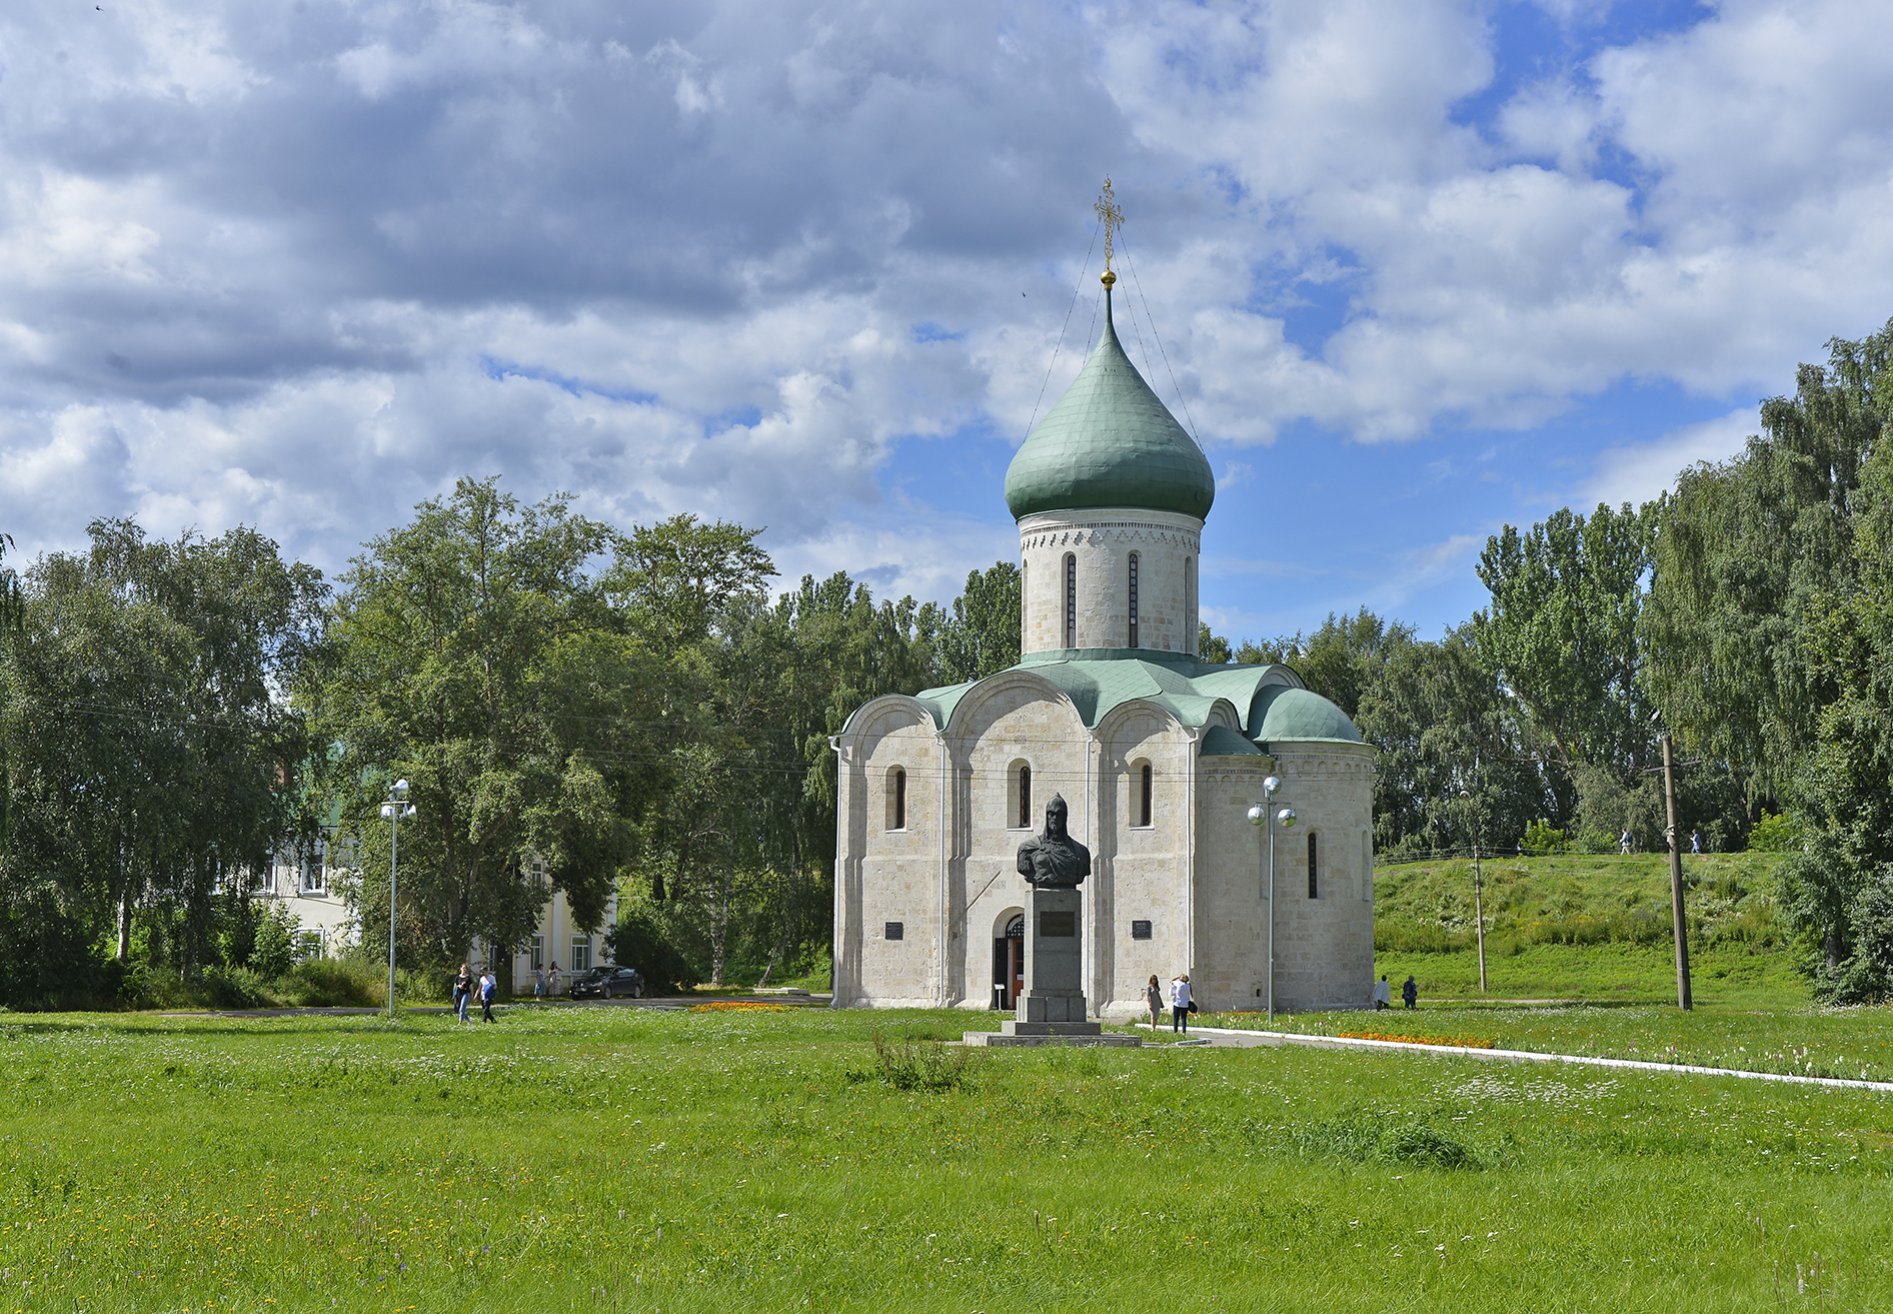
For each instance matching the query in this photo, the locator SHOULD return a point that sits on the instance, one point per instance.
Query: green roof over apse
(1109, 442)
(1099, 680)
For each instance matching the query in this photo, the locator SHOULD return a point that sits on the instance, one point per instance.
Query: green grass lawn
(616, 1159)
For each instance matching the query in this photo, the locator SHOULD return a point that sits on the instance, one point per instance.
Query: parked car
(608, 983)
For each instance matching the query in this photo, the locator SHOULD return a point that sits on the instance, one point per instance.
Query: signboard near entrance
(1058, 925)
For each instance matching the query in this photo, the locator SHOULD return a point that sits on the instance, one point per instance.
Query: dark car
(608, 983)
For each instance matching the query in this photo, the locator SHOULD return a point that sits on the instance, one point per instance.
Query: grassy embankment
(1580, 961)
(619, 1159)
(1585, 927)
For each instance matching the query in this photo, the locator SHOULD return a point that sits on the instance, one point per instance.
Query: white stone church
(1158, 755)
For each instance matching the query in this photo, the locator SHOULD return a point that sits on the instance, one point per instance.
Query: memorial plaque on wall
(1140, 930)
(1058, 925)
(895, 931)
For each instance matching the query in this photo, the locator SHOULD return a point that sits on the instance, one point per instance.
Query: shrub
(1593, 840)
(236, 987)
(1774, 833)
(922, 1065)
(1541, 840)
(336, 983)
(274, 947)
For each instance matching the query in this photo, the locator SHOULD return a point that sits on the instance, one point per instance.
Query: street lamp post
(1259, 816)
(396, 807)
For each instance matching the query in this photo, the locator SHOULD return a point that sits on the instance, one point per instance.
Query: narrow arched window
(1133, 597)
(1071, 600)
(1143, 795)
(1025, 798)
(1189, 604)
(897, 800)
(1313, 868)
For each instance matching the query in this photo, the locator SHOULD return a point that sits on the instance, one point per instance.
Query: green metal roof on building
(1100, 680)
(1297, 714)
(1109, 442)
(1221, 741)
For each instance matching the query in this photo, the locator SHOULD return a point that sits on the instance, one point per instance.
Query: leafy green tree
(1561, 631)
(151, 754)
(1748, 556)
(1455, 758)
(1839, 885)
(981, 635)
(1212, 647)
(476, 654)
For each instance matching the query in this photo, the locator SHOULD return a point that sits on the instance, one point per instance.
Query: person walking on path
(489, 991)
(552, 981)
(1180, 1004)
(463, 992)
(1623, 842)
(538, 983)
(1410, 992)
(1153, 1000)
(1383, 993)
(1695, 840)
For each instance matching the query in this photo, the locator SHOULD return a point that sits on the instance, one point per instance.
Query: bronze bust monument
(1054, 860)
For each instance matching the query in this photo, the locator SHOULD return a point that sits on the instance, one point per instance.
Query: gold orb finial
(1107, 278)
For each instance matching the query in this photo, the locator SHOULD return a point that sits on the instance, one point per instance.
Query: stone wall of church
(889, 925)
(1009, 723)
(1324, 945)
(1100, 544)
(1194, 873)
(1141, 871)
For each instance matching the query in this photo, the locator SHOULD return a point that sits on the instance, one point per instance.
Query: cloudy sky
(1409, 271)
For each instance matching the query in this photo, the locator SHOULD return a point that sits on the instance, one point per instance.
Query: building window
(1313, 868)
(1133, 588)
(1022, 813)
(314, 878)
(538, 952)
(897, 799)
(1071, 600)
(1140, 799)
(581, 953)
(1189, 604)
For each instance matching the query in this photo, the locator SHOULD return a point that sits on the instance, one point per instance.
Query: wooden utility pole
(1676, 880)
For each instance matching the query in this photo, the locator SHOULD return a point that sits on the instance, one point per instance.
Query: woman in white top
(1180, 1004)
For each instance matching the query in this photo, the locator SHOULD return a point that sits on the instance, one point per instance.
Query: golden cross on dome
(1112, 218)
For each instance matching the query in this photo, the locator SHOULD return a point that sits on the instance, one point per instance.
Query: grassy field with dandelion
(762, 1159)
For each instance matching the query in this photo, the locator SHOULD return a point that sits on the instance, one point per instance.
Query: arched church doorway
(1009, 961)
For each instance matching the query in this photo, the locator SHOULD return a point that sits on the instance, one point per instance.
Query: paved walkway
(1225, 1036)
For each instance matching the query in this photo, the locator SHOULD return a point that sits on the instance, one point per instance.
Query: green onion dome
(1109, 442)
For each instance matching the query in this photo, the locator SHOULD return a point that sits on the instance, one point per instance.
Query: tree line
(1749, 611)
(587, 709)
(576, 708)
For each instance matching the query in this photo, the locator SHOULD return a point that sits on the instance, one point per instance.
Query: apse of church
(1158, 755)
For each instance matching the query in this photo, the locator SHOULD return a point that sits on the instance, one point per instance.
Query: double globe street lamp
(1283, 819)
(395, 808)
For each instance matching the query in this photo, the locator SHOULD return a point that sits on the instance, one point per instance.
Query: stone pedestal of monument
(1051, 1008)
